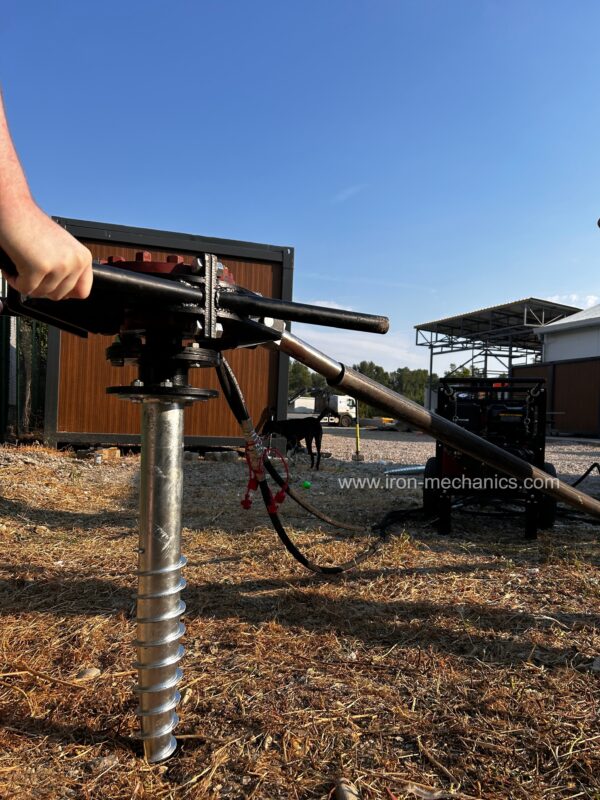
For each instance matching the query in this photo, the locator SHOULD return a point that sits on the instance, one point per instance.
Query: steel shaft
(159, 604)
(452, 435)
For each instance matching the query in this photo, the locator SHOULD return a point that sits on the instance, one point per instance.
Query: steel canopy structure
(504, 333)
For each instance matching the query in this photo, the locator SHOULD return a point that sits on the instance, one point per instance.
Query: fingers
(48, 260)
(83, 287)
(74, 282)
(71, 279)
(76, 286)
(48, 282)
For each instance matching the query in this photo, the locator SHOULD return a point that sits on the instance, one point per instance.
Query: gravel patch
(571, 457)
(406, 448)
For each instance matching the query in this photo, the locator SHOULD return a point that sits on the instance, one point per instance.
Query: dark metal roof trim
(169, 240)
(513, 324)
(512, 307)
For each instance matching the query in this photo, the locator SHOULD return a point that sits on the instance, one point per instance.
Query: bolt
(218, 330)
(137, 382)
(167, 383)
(220, 269)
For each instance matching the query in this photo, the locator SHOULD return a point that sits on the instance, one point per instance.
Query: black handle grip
(128, 284)
(138, 285)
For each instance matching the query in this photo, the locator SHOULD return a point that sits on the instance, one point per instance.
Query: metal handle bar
(135, 286)
(251, 304)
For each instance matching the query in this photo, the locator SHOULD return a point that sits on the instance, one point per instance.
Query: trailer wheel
(431, 495)
(547, 504)
(345, 421)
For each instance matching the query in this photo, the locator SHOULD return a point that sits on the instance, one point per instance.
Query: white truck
(340, 409)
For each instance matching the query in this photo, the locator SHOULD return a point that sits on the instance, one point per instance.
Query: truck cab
(333, 409)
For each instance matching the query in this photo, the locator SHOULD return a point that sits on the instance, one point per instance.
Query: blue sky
(424, 158)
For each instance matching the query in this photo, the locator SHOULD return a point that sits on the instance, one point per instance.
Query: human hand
(49, 261)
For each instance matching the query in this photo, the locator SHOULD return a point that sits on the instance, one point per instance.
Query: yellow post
(358, 456)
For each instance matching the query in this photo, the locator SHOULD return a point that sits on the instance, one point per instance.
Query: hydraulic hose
(589, 470)
(301, 558)
(235, 399)
(271, 469)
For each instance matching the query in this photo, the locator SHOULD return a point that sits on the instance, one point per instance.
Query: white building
(573, 337)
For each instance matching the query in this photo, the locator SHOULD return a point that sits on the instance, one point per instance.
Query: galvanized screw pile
(159, 605)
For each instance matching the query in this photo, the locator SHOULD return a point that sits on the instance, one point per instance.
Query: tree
(377, 373)
(412, 383)
(302, 379)
(374, 371)
(299, 378)
(455, 372)
(317, 381)
(32, 349)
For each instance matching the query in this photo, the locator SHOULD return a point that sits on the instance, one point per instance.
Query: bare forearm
(49, 262)
(14, 190)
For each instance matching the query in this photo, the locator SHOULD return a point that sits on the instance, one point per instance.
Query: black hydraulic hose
(400, 515)
(589, 470)
(235, 399)
(232, 391)
(573, 515)
(279, 480)
(233, 395)
(300, 557)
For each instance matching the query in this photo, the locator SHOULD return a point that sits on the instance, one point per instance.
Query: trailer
(511, 414)
(340, 409)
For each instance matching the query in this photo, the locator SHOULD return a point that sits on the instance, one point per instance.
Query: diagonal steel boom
(369, 391)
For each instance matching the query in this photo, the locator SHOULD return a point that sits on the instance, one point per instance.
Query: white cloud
(391, 350)
(579, 299)
(329, 304)
(347, 193)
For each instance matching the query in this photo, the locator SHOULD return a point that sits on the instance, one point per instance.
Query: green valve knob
(306, 484)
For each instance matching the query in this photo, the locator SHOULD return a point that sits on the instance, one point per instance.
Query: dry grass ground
(444, 667)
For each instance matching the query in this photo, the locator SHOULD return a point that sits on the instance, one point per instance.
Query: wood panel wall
(573, 394)
(577, 392)
(84, 374)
